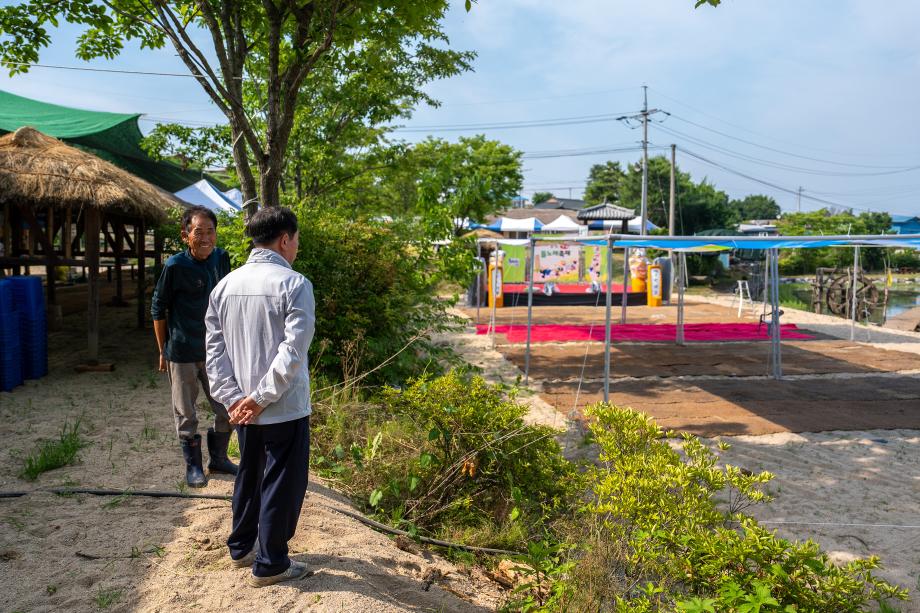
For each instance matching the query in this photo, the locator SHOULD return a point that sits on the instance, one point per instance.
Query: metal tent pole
(607, 321)
(479, 274)
(681, 281)
(853, 300)
(776, 337)
(625, 284)
(533, 258)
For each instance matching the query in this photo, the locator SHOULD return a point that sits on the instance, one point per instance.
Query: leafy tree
(539, 197)
(273, 45)
(444, 181)
(700, 206)
(756, 207)
(604, 183)
(825, 222)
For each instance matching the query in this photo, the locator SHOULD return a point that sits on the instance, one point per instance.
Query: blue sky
(825, 92)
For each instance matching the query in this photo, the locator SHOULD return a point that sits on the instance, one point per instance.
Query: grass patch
(233, 447)
(106, 598)
(54, 454)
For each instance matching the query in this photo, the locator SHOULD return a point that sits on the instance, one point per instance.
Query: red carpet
(547, 333)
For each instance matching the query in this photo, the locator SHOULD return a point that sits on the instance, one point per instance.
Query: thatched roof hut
(59, 203)
(43, 172)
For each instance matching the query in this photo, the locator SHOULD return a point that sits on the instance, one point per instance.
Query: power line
(804, 157)
(542, 98)
(107, 70)
(511, 125)
(781, 165)
(788, 190)
(749, 131)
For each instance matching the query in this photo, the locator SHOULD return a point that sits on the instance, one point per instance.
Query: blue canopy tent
(683, 244)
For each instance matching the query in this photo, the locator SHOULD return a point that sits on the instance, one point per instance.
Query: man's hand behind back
(244, 411)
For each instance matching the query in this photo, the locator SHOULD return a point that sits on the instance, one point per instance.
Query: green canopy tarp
(113, 137)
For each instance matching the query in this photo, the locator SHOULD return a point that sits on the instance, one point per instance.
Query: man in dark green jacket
(179, 304)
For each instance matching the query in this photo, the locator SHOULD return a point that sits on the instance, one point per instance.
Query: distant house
(566, 204)
(905, 224)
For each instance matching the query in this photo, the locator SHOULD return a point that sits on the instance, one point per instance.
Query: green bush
(447, 455)
(665, 530)
(375, 295)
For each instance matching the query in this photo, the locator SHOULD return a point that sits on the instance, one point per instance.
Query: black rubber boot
(217, 450)
(194, 473)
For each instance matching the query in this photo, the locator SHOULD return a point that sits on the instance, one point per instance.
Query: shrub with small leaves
(665, 529)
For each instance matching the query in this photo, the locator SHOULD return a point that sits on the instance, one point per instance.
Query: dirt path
(79, 553)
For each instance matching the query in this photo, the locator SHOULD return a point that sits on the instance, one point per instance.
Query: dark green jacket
(181, 298)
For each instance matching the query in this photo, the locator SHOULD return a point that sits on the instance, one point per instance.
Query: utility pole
(643, 117)
(671, 222)
(644, 208)
(799, 208)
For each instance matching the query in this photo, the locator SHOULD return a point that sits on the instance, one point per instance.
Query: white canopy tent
(563, 224)
(235, 196)
(770, 244)
(204, 193)
(507, 224)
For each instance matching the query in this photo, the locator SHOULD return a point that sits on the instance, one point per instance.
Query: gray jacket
(260, 324)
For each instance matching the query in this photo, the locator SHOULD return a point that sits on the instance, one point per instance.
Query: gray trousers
(185, 379)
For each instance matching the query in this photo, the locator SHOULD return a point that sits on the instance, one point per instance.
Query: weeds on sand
(54, 454)
(106, 598)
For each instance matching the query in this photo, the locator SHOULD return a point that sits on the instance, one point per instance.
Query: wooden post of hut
(119, 241)
(91, 236)
(140, 244)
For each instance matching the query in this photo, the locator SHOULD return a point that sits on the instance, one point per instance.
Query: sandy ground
(81, 552)
(856, 493)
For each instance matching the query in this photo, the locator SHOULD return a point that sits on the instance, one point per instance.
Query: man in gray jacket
(259, 327)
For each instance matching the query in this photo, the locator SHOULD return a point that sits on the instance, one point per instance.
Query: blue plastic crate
(28, 296)
(10, 328)
(10, 374)
(34, 369)
(6, 297)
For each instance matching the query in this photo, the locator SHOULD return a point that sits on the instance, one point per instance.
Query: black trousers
(269, 491)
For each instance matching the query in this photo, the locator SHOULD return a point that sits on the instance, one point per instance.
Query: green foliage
(54, 454)
(539, 197)
(106, 598)
(200, 148)
(446, 455)
(657, 537)
(789, 298)
(756, 207)
(700, 205)
(825, 222)
(375, 294)
(604, 183)
(444, 181)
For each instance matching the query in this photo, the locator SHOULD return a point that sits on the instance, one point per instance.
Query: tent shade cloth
(114, 137)
(236, 196)
(506, 224)
(203, 193)
(562, 224)
(769, 244)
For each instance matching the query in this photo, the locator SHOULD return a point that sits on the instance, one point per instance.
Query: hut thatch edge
(41, 171)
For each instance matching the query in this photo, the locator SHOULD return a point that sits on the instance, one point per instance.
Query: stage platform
(570, 294)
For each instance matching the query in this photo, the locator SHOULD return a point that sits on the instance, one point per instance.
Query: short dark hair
(194, 211)
(269, 223)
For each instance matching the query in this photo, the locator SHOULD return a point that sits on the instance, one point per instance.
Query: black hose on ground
(376, 525)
